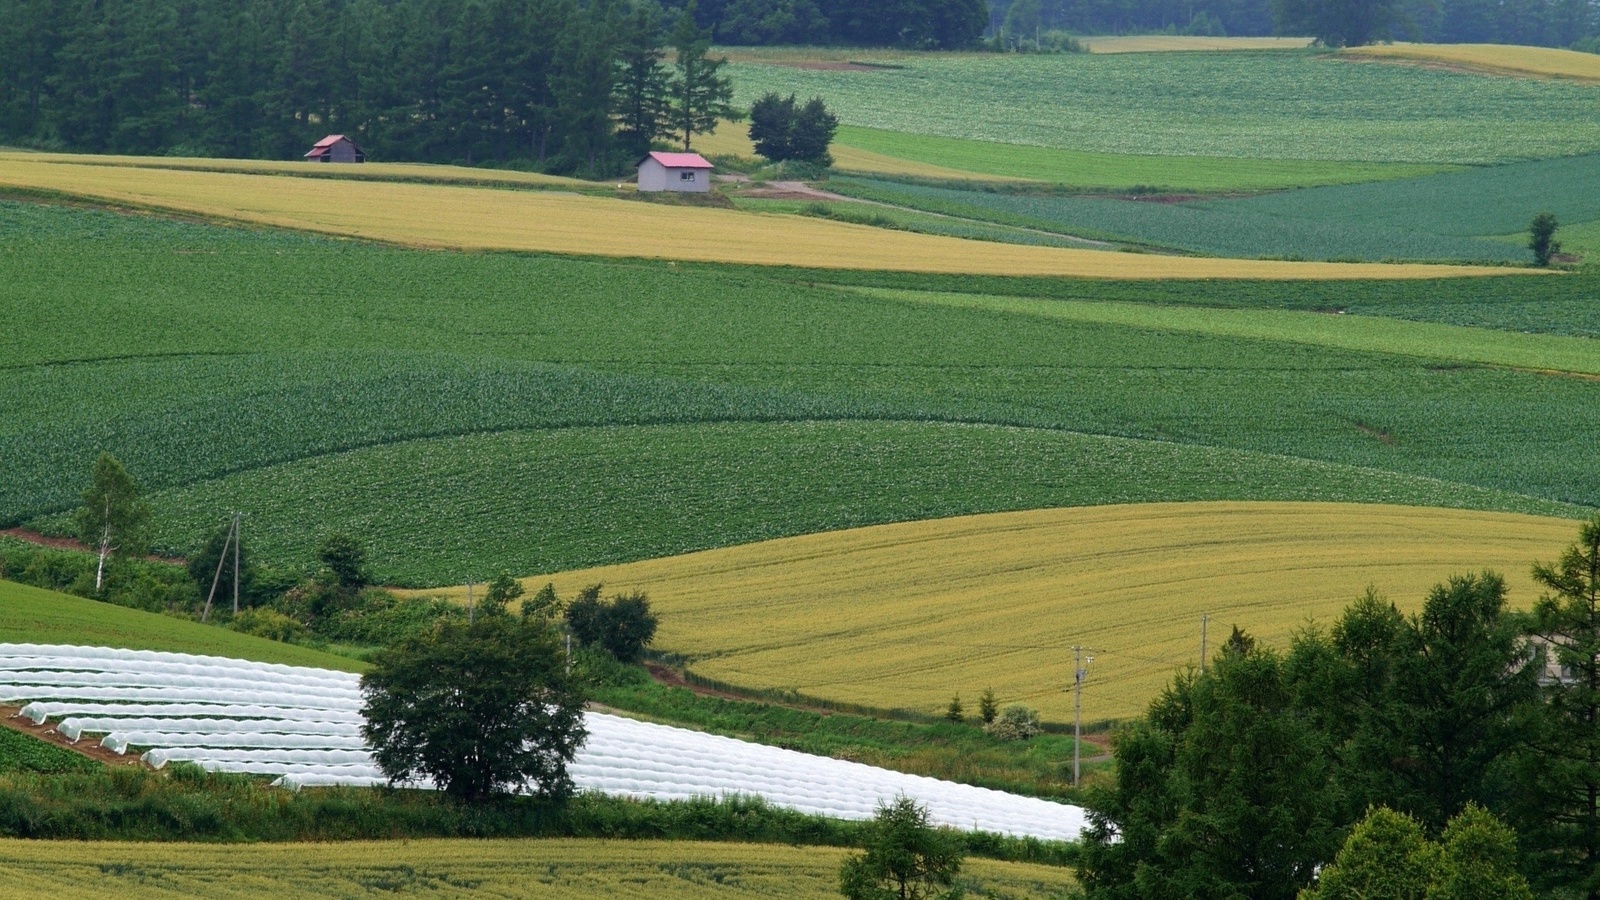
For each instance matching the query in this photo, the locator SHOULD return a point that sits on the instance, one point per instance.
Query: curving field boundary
(908, 615)
(472, 218)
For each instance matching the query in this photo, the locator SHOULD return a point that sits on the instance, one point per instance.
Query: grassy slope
(1270, 105)
(324, 347)
(1453, 343)
(469, 218)
(555, 869)
(33, 616)
(907, 615)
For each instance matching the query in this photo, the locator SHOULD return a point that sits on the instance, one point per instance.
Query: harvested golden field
(1501, 58)
(1158, 43)
(906, 615)
(372, 171)
(554, 869)
(439, 216)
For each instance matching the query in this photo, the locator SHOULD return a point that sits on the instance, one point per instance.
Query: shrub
(270, 624)
(1015, 723)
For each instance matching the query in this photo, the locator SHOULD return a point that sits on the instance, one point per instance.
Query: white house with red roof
(336, 148)
(688, 172)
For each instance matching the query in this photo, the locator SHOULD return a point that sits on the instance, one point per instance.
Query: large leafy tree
(700, 94)
(113, 519)
(1387, 855)
(480, 709)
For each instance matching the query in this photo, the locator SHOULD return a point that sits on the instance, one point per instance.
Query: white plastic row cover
(264, 695)
(38, 712)
(158, 680)
(305, 677)
(120, 741)
(159, 758)
(74, 728)
(69, 651)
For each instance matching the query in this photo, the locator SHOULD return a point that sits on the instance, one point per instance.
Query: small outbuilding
(336, 148)
(688, 172)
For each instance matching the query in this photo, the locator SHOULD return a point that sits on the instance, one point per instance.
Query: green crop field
(1444, 216)
(1109, 171)
(1295, 105)
(22, 753)
(644, 408)
(1219, 228)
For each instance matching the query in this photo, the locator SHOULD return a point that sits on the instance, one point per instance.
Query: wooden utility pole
(222, 558)
(1080, 671)
(236, 564)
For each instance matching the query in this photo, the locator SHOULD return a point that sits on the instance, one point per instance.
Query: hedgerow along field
(557, 869)
(303, 388)
(908, 615)
(1296, 105)
(475, 218)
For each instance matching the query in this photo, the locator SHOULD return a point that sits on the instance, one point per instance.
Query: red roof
(327, 142)
(680, 160)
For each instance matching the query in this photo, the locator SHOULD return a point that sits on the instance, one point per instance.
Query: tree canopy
(480, 709)
(113, 520)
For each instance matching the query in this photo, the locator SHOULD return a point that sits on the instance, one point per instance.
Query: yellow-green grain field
(1181, 43)
(908, 615)
(475, 218)
(508, 869)
(1508, 59)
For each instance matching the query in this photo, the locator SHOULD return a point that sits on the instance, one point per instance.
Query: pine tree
(700, 95)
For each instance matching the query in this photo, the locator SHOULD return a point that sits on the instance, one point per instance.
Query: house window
(685, 176)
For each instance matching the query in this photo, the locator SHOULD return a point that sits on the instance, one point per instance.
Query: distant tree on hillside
(622, 626)
(113, 519)
(1339, 23)
(1541, 238)
(783, 129)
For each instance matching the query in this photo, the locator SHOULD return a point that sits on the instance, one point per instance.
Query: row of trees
(1243, 780)
(922, 24)
(563, 85)
(1553, 23)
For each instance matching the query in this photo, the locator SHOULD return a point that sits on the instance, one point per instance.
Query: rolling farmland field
(687, 408)
(545, 868)
(1299, 105)
(907, 615)
(470, 218)
(1550, 62)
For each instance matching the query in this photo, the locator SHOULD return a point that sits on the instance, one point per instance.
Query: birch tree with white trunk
(113, 520)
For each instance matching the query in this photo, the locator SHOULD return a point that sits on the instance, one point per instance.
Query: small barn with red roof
(674, 172)
(336, 148)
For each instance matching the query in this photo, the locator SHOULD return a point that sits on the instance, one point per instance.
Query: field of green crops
(1115, 171)
(1447, 216)
(280, 376)
(1274, 105)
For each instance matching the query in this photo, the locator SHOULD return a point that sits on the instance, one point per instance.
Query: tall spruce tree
(701, 95)
(642, 81)
(1561, 787)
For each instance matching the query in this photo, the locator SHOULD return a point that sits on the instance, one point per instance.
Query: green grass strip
(30, 615)
(1122, 171)
(1427, 340)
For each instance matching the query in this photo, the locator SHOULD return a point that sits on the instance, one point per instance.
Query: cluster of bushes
(1016, 722)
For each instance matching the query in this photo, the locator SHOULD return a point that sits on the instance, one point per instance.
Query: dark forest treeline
(1548, 23)
(554, 84)
(922, 24)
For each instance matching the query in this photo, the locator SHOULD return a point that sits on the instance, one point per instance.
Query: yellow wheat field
(369, 171)
(473, 218)
(1157, 43)
(1505, 58)
(907, 615)
(508, 869)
